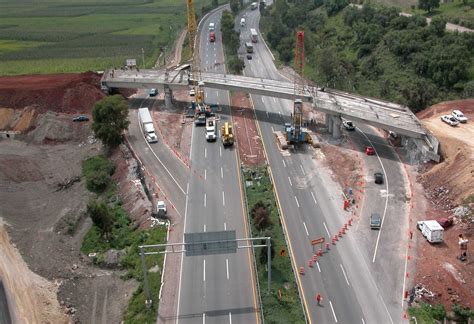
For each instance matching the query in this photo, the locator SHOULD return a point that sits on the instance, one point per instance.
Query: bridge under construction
(335, 104)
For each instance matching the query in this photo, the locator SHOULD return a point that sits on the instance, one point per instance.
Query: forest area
(374, 51)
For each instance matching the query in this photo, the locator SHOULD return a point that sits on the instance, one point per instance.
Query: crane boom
(195, 65)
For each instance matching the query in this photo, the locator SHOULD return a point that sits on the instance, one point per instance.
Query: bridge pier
(168, 98)
(336, 127)
(329, 123)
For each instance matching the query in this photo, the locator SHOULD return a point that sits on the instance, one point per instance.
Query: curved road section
(4, 311)
(354, 288)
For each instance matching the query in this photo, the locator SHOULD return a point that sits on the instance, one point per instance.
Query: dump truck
(227, 135)
(211, 127)
(147, 125)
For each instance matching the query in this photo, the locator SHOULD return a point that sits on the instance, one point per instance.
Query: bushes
(231, 40)
(98, 171)
(427, 313)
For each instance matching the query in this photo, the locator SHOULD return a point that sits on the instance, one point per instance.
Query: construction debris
(67, 183)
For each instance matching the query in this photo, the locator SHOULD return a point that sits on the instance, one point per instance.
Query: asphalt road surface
(4, 311)
(354, 288)
(215, 288)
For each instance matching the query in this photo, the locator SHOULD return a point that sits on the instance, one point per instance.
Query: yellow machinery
(227, 135)
(198, 90)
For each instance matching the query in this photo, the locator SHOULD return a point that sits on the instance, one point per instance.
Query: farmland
(70, 36)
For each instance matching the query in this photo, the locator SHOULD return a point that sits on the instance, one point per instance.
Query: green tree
(438, 24)
(418, 94)
(101, 216)
(110, 120)
(235, 6)
(428, 5)
(215, 3)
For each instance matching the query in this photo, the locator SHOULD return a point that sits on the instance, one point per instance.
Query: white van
(431, 230)
(212, 26)
(242, 22)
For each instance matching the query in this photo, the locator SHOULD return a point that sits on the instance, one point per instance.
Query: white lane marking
(162, 164)
(273, 131)
(203, 318)
(207, 62)
(317, 263)
(262, 100)
(204, 227)
(314, 199)
(267, 115)
(302, 170)
(329, 235)
(291, 184)
(205, 174)
(297, 201)
(230, 318)
(345, 277)
(205, 152)
(215, 55)
(204, 272)
(217, 94)
(225, 227)
(223, 198)
(220, 151)
(222, 173)
(284, 164)
(204, 200)
(305, 228)
(333, 313)
(274, 100)
(182, 255)
(363, 322)
(279, 113)
(227, 267)
(217, 103)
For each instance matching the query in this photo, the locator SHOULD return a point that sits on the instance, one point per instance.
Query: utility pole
(143, 58)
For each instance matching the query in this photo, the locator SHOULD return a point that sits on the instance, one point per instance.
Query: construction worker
(318, 299)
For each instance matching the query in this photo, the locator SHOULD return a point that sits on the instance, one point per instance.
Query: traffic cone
(301, 271)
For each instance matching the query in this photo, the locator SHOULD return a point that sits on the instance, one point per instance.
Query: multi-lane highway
(215, 288)
(354, 287)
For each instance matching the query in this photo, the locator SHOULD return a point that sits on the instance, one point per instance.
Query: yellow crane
(195, 64)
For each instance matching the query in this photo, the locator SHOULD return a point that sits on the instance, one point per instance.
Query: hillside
(375, 51)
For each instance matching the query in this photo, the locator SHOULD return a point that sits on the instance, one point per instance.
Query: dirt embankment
(445, 186)
(44, 272)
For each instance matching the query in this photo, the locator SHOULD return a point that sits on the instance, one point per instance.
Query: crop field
(71, 36)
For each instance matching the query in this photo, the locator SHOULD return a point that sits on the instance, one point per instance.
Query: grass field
(78, 35)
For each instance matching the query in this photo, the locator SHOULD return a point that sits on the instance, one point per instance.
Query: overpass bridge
(336, 104)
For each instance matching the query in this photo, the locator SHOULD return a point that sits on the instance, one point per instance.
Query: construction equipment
(227, 135)
(198, 91)
(294, 131)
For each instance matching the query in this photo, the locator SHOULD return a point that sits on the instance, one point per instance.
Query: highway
(215, 288)
(354, 288)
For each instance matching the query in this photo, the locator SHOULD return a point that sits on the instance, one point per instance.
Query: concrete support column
(336, 128)
(329, 123)
(168, 98)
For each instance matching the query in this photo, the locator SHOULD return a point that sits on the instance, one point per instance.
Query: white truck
(211, 129)
(253, 5)
(147, 125)
(431, 230)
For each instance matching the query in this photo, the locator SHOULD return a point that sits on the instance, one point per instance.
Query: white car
(161, 208)
(457, 114)
(450, 120)
(348, 125)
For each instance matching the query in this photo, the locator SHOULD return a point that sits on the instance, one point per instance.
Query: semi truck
(253, 35)
(147, 125)
(211, 134)
(227, 135)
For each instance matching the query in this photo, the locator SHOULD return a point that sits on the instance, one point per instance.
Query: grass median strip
(282, 304)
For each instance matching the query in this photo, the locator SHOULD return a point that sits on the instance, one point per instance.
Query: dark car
(378, 176)
(153, 92)
(249, 56)
(375, 221)
(80, 118)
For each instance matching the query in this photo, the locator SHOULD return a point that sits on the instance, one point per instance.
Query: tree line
(374, 51)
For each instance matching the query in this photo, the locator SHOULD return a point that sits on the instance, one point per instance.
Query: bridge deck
(376, 112)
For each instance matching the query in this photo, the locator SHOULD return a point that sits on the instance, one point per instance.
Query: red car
(212, 37)
(369, 150)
